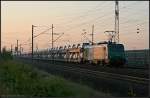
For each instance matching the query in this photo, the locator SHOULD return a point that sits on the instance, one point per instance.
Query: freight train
(102, 53)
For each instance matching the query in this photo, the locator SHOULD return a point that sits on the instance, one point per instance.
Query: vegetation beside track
(17, 78)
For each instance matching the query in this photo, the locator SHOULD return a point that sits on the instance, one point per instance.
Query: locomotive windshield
(116, 48)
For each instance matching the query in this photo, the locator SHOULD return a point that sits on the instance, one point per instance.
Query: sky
(71, 19)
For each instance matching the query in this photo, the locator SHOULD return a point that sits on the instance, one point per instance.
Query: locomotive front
(116, 54)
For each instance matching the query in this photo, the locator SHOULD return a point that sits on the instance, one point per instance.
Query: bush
(6, 55)
(22, 79)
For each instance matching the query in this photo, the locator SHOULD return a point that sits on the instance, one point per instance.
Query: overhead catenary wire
(109, 6)
(41, 33)
(85, 14)
(86, 22)
(80, 24)
(108, 14)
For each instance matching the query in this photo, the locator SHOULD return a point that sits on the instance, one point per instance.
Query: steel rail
(100, 74)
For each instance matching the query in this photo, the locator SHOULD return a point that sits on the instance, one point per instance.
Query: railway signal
(138, 30)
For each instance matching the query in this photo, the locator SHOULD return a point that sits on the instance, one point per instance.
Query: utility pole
(11, 48)
(52, 36)
(37, 48)
(20, 49)
(17, 47)
(116, 21)
(32, 41)
(93, 34)
(52, 42)
(0, 42)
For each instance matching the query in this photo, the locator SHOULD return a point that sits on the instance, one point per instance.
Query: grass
(17, 78)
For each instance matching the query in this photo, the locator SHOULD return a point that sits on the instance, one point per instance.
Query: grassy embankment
(17, 78)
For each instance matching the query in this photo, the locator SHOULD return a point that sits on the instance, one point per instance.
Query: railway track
(105, 80)
(97, 74)
(142, 73)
